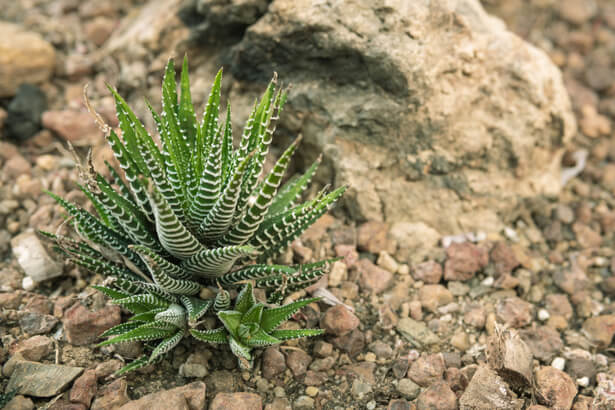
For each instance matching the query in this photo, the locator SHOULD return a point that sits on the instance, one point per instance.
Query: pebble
(428, 272)
(24, 112)
(323, 349)
(338, 273)
(581, 368)
(543, 315)
(381, 350)
(34, 348)
(600, 329)
(230, 401)
(559, 304)
(373, 278)
(111, 396)
(373, 237)
(578, 11)
(84, 388)
(360, 389)
(460, 341)
(36, 323)
(514, 312)
(398, 404)
(387, 262)
(434, 296)
(503, 258)
(279, 403)
(417, 333)
(33, 258)
(463, 261)
(303, 403)
(559, 363)
(311, 391)
(339, 321)
(196, 365)
(351, 343)
(77, 127)
(273, 362)
(427, 369)
(188, 397)
(19, 402)
(298, 361)
(555, 388)
(83, 326)
(408, 389)
(41, 380)
(437, 396)
(543, 341)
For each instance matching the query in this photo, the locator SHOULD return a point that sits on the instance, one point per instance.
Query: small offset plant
(195, 213)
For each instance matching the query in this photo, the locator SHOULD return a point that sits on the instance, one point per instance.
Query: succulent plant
(193, 212)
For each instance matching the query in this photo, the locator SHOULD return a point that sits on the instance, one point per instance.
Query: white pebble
(543, 314)
(28, 284)
(559, 363)
(583, 381)
(488, 281)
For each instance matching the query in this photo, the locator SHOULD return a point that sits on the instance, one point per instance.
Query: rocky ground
(518, 318)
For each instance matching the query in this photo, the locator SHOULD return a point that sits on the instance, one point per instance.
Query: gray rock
(487, 390)
(37, 324)
(417, 333)
(41, 380)
(408, 389)
(403, 106)
(33, 258)
(25, 111)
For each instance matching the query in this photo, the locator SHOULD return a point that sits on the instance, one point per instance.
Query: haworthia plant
(193, 212)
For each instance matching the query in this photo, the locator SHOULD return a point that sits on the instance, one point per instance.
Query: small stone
(37, 324)
(437, 396)
(555, 388)
(543, 315)
(351, 343)
(273, 362)
(279, 403)
(381, 349)
(417, 333)
(503, 258)
(338, 273)
(41, 380)
(600, 329)
(83, 326)
(581, 368)
(33, 258)
(559, 363)
(514, 312)
(428, 272)
(398, 404)
(427, 369)
(543, 341)
(463, 261)
(373, 237)
(586, 236)
(339, 321)
(298, 361)
(373, 278)
(303, 403)
(84, 388)
(196, 364)
(577, 11)
(107, 368)
(360, 390)
(77, 127)
(34, 348)
(387, 319)
(311, 391)
(323, 349)
(386, 262)
(188, 397)
(24, 112)
(460, 341)
(408, 389)
(475, 316)
(111, 396)
(10, 300)
(99, 29)
(232, 401)
(19, 402)
(487, 390)
(434, 296)
(313, 378)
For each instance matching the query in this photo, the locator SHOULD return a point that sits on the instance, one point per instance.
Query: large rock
(430, 110)
(33, 258)
(25, 57)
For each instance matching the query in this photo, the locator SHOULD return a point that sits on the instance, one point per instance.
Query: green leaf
(289, 334)
(218, 335)
(274, 317)
(254, 314)
(245, 300)
(231, 320)
(166, 345)
(196, 307)
(142, 333)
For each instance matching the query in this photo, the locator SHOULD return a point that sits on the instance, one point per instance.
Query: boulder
(431, 111)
